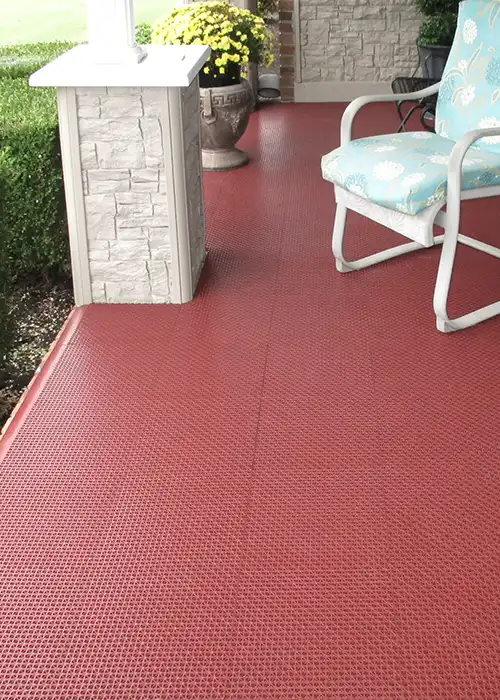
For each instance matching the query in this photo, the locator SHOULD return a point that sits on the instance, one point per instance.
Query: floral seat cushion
(406, 172)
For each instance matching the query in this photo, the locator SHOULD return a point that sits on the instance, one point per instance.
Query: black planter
(433, 60)
(232, 76)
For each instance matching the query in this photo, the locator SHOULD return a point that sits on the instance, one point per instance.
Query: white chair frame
(419, 228)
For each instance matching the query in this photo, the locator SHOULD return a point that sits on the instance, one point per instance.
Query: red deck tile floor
(288, 489)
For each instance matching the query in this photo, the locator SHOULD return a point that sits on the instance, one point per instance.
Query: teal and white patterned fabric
(469, 97)
(408, 172)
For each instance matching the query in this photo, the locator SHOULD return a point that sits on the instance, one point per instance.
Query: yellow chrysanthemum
(234, 35)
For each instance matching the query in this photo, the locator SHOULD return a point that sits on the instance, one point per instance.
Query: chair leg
(344, 265)
(338, 239)
(450, 239)
(444, 323)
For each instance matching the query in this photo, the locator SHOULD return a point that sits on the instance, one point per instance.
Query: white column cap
(165, 66)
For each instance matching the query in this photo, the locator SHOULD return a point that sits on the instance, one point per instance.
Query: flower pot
(433, 60)
(225, 112)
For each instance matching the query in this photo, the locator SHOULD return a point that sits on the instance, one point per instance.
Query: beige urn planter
(225, 112)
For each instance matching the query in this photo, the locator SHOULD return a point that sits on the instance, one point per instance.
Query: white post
(130, 142)
(111, 32)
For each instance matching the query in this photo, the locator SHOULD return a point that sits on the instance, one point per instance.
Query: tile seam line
(248, 507)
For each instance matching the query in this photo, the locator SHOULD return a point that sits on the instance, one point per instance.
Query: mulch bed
(39, 308)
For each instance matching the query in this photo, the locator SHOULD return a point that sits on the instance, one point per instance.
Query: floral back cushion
(469, 97)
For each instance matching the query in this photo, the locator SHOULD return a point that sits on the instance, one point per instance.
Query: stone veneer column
(125, 191)
(132, 171)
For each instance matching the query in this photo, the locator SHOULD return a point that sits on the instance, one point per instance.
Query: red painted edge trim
(38, 381)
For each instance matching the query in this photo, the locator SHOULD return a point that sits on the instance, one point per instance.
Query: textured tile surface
(285, 490)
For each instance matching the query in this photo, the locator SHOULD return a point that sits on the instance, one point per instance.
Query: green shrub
(20, 60)
(440, 22)
(32, 224)
(143, 33)
(438, 30)
(437, 7)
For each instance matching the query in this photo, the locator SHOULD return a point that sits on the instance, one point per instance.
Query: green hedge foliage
(33, 237)
(32, 221)
(20, 60)
(143, 33)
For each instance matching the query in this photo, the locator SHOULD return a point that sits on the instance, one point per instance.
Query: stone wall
(287, 49)
(357, 40)
(126, 191)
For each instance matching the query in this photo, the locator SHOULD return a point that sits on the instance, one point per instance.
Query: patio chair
(404, 180)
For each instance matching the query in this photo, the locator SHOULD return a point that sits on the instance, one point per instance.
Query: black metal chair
(427, 106)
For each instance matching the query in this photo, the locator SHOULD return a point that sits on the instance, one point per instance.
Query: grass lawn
(27, 21)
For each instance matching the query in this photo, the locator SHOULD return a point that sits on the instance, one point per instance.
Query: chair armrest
(352, 109)
(462, 146)
(457, 156)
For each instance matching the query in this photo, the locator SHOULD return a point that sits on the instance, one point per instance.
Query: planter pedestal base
(225, 112)
(223, 160)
